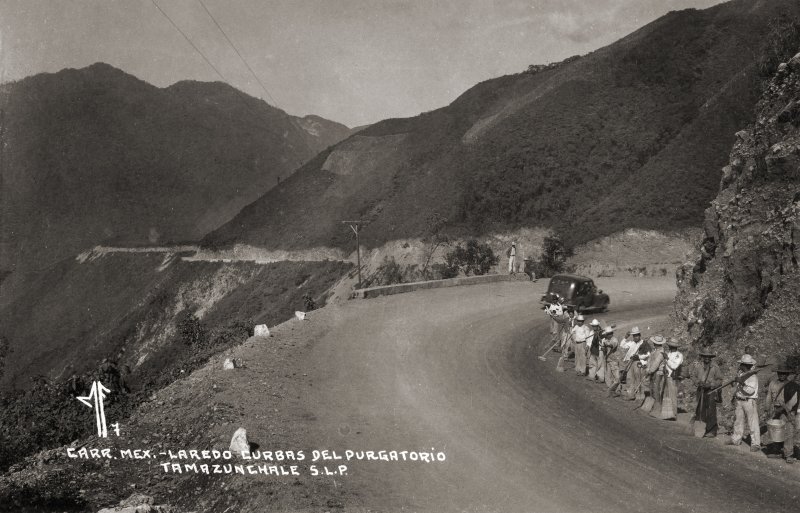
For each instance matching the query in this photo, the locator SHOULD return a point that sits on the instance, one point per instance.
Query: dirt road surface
(456, 370)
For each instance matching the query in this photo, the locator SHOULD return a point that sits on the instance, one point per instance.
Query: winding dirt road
(456, 370)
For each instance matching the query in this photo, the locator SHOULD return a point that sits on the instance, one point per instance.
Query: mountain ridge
(96, 155)
(560, 147)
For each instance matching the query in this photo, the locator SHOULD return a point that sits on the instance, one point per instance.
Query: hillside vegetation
(95, 155)
(632, 135)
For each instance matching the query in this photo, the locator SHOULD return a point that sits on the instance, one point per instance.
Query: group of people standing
(649, 371)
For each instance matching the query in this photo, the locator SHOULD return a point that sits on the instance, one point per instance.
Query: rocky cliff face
(743, 285)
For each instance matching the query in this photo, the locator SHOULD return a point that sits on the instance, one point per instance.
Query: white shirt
(581, 333)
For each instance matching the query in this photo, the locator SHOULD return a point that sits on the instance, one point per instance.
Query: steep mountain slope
(623, 137)
(743, 287)
(95, 155)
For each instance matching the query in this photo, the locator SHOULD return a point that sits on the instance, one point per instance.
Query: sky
(351, 61)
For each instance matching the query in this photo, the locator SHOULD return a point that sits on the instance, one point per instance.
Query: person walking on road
(593, 344)
(511, 253)
(746, 400)
(783, 396)
(580, 333)
(707, 376)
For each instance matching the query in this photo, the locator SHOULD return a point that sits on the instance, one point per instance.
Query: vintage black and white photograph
(473, 256)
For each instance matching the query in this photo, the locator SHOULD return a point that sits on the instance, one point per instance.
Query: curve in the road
(455, 370)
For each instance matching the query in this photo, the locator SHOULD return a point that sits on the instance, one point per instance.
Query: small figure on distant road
(783, 396)
(746, 401)
(707, 376)
(511, 253)
(580, 332)
(593, 343)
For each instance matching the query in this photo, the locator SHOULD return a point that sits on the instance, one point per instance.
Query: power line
(241, 95)
(291, 118)
(238, 53)
(189, 41)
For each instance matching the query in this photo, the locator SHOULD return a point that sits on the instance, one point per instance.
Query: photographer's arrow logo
(95, 400)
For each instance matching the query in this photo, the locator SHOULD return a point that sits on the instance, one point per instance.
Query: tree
(435, 223)
(554, 256)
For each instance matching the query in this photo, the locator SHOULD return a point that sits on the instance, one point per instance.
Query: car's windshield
(564, 287)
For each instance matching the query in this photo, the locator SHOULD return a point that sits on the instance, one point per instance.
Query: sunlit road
(456, 370)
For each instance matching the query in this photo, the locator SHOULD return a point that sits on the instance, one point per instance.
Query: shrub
(781, 44)
(443, 271)
(191, 330)
(475, 258)
(388, 273)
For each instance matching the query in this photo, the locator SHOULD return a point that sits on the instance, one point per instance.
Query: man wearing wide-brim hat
(580, 332)
(746, 400)
(637, 350)
(783, 396)
(706, 375)
(593, 343)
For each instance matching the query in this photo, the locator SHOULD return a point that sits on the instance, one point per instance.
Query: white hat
(657, 340)
(595, 322)
(747, 360)
(580, 318)
(635, 331)
(608, 330)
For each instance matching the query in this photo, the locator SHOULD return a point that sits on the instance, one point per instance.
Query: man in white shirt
(580, 332)
(746, 399)
(512, 255)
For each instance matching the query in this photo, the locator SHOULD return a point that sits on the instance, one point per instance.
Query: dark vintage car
(579, 292)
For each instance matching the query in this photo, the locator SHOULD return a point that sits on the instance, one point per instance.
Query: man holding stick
(746, 400)
(595, 355)
(636, 353)
(707, 375)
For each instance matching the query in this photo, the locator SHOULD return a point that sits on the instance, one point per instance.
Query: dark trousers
(707, 410)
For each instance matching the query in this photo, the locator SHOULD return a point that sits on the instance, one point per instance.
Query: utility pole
(355, 226)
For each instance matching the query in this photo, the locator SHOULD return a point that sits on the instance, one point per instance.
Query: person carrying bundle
(707, 376)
